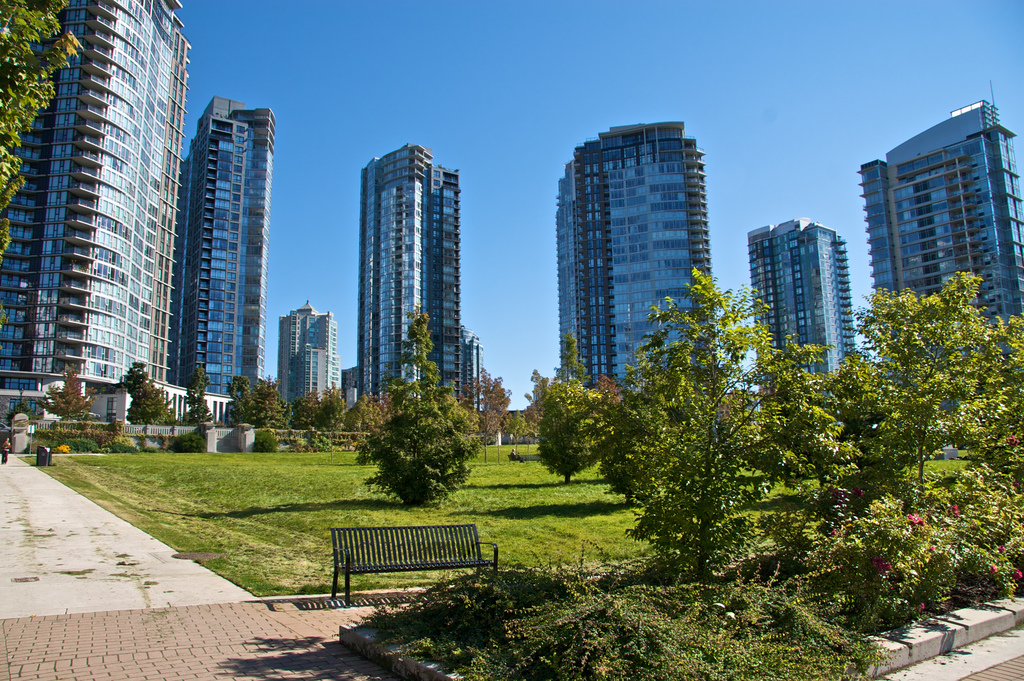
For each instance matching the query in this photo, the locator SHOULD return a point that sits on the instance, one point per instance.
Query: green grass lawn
(270, 513)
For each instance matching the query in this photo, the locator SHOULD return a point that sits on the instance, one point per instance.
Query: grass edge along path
(270, 513)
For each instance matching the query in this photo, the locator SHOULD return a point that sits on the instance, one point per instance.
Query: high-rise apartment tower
(220, 292)
(408, 260)
(307, 355)
(86, 280)
(800, 270)
(631, 226)
(948, 200)
(472, 357)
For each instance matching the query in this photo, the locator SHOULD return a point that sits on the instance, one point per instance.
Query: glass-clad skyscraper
(948, 200)
(631, 225)
(86, 280)
(800, 270)
(307, 354)
(223, 245)
(409, 234)
(472, 357)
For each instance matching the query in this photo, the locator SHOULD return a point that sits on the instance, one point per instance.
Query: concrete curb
(924, 640)
(905, 646)
(362, 640)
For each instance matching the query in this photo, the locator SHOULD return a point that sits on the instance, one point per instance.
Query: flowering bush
(883, 565)
(62, 449)
(887, 565)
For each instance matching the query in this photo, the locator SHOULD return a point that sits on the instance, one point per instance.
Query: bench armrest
(487, 543)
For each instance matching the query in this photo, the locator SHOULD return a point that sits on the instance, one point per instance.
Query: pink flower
(858, 492)
(1017, 575)
(1012, 441)
(956, 511)
(834, 532)
(915, 520)
(920, 608)
(931, 549)
(882, 566)
(1002, 549)
(993, 569)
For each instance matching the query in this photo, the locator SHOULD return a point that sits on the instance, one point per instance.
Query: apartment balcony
(93, 98)
(80, 220)
(96, 68)
(71, 336)
(73, 285)
(78, 269)
(82, 205)
(92, 110)
(101, 38)
(72, 320)
(87, 158)
(69, 353)
(87, 189)
(76, 252)
(72, 302)
(103, 9)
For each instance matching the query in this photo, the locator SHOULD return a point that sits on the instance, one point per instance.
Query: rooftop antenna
(992, 92)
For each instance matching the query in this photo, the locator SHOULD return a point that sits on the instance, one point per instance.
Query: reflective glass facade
(307, 354)
(800, 270)
(409, 243)
(948, 200)
(472, 357)
(631, 225)
(87, 278)
(223, 246)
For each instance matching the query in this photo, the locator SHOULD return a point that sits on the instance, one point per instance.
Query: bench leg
(334, 583)
(348, 592)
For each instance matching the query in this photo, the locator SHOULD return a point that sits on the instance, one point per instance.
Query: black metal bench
(529, 457)
(362, 550)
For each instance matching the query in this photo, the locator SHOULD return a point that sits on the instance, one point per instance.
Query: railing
(158, 430)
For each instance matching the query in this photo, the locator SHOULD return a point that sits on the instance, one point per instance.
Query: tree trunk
(567, 478)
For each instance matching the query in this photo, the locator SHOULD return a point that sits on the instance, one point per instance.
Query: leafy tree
(567, 445)
(1000, 444)
(570, 367)
(150, 405)
(928, 360)
(699, 413)
(240, 392)
(367, 415)
(516, 425)
(268, 408)
(535, 409)
(306, 410)
(68, 401)
(422, 449)
(332, 409)
(25, 86)
(195, 399)
(491, 407)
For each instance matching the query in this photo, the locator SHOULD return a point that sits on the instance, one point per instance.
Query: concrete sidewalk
(64, 554)
(85, 595)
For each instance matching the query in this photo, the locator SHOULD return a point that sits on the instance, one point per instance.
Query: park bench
(529, 457)
(362, 550)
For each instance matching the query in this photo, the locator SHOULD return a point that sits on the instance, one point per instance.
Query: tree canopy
(422, 448)
(69, 400)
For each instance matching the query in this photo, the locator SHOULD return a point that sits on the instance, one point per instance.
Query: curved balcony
(86, 189)
(80, 220)
(87, 158)
(101, 38)
(76, 252)
(72, 320)
(73, 285)
(77, 237)
(72, 302)
(71, 336)
(81, 204)
(84, 173)
(88, 142)
(96, 68)
(99, 84)
(103, 9)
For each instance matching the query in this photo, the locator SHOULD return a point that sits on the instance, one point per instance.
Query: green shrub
(82, 444)
(570, 624)
(265, 441)
(189, 443)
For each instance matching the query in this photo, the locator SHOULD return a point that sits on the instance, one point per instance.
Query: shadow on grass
(538, 485)
(580, 510)
(336, 505)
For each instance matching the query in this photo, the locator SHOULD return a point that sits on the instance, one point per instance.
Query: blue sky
(786, 99)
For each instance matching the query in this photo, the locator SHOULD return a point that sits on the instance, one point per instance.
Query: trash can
(42, 456)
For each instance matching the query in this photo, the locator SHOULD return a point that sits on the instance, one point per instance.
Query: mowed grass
(270, 514)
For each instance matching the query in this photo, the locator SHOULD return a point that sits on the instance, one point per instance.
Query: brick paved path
(295, 639)
(1012, 670)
